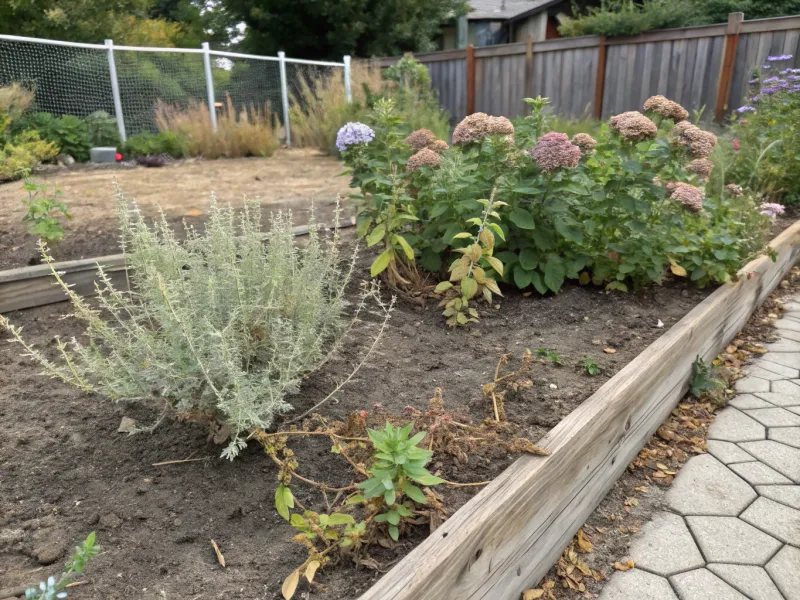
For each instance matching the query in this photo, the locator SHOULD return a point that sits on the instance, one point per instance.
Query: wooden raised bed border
(27, 287)
(506, 538)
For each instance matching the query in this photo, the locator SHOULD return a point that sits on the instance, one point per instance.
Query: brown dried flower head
(690, 196)
(666, 108)
(473, 128)
(424, 158)
(421, 138)
(553, 151)
(697, 142)
(700, 166)
(438, 146)
(585, 142)
(734, 190)
(633, 126)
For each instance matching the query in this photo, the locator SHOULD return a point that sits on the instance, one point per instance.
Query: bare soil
(65, 471)
(291, 179)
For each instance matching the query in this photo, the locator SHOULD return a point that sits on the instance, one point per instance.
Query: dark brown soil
(65, 471)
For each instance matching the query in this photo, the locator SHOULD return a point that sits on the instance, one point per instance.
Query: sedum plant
(224, 324)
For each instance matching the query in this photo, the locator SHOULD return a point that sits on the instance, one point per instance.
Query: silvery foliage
(225, 323)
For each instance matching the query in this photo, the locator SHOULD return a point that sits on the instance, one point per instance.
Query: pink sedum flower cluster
(633, 126)
(690, 196)
(473, 128)
(554, 151)
(665, 108)
(424, 158)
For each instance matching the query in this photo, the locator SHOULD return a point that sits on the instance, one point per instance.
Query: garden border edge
(506, 538)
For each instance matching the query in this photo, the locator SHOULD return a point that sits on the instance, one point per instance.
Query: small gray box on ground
(103, 155)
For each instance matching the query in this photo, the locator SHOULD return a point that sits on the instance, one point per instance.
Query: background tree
(328, 29)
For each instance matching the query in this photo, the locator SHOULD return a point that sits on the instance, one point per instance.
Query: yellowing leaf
(609, 350)
(624, 566)
(496, 264)
(475, 252)
(491, 285)
(469, 287)
(443, 287)
(311, 569)
(409, 251)
(584, 544)
(532, 594)
(584, 278)
(487, 239)
(380, 263)
(677, 270)
(290, 584)
(461, 235)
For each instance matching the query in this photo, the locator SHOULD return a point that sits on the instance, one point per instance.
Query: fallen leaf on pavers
(624, 566)
(583, 544)
(601, 529)
(220, 558)
(533, 594)
(609, 350)
(642, 488)
(667, 434)
(631, 502)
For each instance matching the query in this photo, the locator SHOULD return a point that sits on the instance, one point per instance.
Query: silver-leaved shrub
(224, 323)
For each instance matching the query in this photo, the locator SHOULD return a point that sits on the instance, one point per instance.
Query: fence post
(112, 71)
(600, 81)
(285, 97)
(212, 108)
(528, 71)
(728, 62)
(470, 79)
(348, 91)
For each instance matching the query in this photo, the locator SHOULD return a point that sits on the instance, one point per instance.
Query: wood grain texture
(725, 79)
(506, 538)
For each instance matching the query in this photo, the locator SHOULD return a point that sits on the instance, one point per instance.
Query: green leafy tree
(328, 29)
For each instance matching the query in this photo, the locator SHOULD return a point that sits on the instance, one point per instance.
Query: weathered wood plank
(726, 72)
(666, 35)
(775, 24)
(507, 537)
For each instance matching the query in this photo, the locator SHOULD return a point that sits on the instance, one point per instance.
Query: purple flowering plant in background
(772, 209)
(351, 134)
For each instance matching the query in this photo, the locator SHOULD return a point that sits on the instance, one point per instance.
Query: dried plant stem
(471, 484)
(316, 484)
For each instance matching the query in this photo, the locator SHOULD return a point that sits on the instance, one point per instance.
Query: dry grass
(246, 132)
(318, 111)
(14, 100)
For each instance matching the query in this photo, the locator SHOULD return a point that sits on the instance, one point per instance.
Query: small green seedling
(44, 211)
(591, 367)
(550, 355)
(703, 379)
(52, 589)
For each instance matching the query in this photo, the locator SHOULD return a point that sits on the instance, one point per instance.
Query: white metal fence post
(348, 91)
(285, 98)
(112, 71)
(212, 109)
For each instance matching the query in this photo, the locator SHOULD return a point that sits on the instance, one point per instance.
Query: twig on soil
(471, 484)
(176, 462)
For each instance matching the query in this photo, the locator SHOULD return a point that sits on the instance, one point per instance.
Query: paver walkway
(731, 530)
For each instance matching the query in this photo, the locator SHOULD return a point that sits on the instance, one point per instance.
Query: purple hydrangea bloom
(778, 58)
(771, 209)
(744, 109)
(353, 133)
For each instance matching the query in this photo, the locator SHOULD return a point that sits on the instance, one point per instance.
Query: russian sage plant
(224, 324)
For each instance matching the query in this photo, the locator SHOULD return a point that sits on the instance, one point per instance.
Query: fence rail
(127, 81)
(706, 66)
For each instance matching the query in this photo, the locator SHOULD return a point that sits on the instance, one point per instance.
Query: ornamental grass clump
(221, 327)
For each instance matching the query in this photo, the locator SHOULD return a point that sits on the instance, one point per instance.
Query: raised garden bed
(156, 522)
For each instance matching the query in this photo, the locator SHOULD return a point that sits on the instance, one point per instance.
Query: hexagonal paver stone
(727, 452)
(752, 581)
(760, 372)
(783, 346)
(637, 585)
(785, 494)
(778, 398)
(702, 584)
(790, 334)
(773, 417)
(785, 435)
(787, 359)
(787, 325)
(707, 487)
(784, 459)
(777, 519)
(733, 425)
(785, 573)
(730, 540)
(794, 409)
(745, 401)
(787, 387)
(666, 547)
(748, 385)
(757, 473)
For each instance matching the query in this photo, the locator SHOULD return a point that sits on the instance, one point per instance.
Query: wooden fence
(707, 66)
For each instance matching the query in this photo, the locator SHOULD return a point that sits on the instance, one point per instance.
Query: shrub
(14, 101)
(627, 17)
(32, 121)
(764, 142)
(102, 129)
(319, 109)
(149, 144)
(623, 209)
(23, 153)
(244, 132)
(223, 325)
(71, 135)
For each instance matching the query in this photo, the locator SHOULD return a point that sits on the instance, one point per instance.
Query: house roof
(502, 10)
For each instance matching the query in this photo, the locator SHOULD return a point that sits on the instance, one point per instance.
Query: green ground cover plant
(533, 208)
(44, 211)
